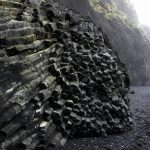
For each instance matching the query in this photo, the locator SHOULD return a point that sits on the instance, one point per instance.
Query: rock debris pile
(58, 78)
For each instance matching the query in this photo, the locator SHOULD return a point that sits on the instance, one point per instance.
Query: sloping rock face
(118, 20)
(58, 78)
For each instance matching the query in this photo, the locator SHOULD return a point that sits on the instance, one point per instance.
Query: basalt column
(57, 77)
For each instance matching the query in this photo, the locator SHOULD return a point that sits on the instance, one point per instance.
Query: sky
(142, 8)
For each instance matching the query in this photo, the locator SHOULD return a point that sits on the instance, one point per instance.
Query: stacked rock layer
(57, 77)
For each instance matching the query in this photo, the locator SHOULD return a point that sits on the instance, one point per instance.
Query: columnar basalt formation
(57, 77)
(118, 20)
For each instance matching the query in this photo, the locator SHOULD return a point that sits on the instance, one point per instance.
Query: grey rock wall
(58, 79)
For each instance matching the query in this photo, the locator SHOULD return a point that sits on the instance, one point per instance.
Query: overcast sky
(143, 10)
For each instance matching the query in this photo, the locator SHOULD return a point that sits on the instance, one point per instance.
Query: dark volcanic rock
(118, 20)
(58, 78)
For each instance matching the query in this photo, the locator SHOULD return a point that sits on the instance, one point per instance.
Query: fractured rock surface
(57, 77)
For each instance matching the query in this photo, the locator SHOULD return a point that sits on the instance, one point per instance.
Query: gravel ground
(136, 139)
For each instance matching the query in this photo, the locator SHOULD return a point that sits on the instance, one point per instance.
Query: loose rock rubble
(58, 78)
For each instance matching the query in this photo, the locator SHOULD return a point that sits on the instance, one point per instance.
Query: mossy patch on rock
(110, 11)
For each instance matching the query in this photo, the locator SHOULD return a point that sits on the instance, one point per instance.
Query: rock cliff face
(119, 22)
(58, 78)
